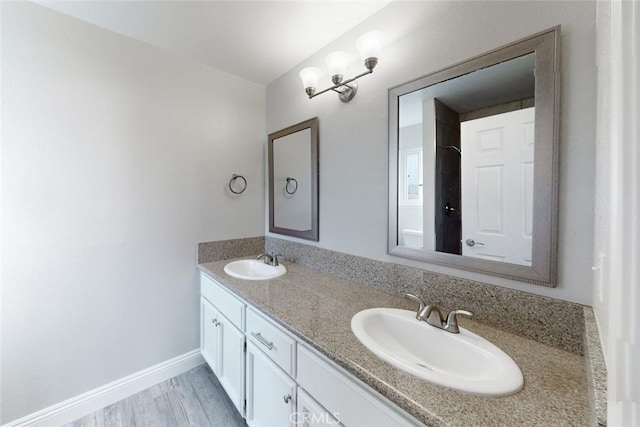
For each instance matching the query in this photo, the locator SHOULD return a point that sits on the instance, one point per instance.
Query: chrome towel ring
(289, 181)
(233, 179)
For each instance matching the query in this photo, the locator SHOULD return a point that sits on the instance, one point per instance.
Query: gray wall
(605, 159)
(427, 36)
(115, 161)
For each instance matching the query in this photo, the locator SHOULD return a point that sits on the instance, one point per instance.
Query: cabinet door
(270, 392)
(210, 345)
(231, 364)
(310, 413)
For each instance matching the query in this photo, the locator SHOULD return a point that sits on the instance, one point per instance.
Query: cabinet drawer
(230, 306)
(350, 402)
(272, 340)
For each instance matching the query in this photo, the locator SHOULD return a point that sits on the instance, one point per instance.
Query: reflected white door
(497, 186)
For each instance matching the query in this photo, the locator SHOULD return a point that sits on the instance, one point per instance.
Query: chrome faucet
(269, 259)
(433, 316)
(451, 324)
(429, 313)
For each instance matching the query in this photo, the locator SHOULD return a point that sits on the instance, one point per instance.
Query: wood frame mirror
(293, 180)
(543, 52)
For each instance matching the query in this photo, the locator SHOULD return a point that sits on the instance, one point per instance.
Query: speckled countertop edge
(555, 392)
(596, 369)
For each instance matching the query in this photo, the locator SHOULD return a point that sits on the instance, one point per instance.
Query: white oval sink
(251, 269)
(464, 361)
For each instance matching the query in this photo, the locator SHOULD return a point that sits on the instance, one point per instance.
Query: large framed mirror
(293, 180)
(473, 163)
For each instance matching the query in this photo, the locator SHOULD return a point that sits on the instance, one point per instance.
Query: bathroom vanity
(283, 348)
(280, 378)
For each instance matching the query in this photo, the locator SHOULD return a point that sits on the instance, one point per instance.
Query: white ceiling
(504, 82)
(256, 40)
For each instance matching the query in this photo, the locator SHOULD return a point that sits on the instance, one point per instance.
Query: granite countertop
(318, 308)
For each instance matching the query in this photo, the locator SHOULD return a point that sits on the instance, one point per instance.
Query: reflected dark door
(448, 225)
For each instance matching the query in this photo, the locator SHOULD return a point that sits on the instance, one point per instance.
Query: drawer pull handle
(262, 341)
(287, 398)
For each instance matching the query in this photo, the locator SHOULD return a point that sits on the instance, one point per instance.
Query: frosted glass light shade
(337, 63)
(310, 77)
(370, 44)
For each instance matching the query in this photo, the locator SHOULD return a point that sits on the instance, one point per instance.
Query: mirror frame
(314, 233)
(546, 45)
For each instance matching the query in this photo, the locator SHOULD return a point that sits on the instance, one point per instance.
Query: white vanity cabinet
(352, 403)
(276, 377)
(271, 390)
(209, 341)
(311, 413)
(222, 341)
(278, 345)
(271, 393)
(231, 368)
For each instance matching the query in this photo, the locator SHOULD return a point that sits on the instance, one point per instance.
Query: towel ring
(232, 180)
(286, 187)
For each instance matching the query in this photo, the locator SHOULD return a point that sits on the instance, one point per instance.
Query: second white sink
(464, 361)
(251, 269)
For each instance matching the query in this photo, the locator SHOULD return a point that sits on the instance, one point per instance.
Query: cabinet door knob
(215, 322)
(287, 398)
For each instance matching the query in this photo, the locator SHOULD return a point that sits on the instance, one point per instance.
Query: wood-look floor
(194, 398)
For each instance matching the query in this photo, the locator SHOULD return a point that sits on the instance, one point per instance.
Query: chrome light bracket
(347, 92)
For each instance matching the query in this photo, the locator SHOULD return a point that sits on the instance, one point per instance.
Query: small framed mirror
(473, 163)
(293, 180)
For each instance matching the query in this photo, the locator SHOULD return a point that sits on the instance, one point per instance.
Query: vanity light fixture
(369, 46)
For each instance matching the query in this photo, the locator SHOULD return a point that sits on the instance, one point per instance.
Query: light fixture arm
(344, 85)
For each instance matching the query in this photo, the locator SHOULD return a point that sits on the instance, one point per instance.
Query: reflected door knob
(471, 242)
(448, 209)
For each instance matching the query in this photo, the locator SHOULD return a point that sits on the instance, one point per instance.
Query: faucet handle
(415, 298)
(452, 320)
(274, 259)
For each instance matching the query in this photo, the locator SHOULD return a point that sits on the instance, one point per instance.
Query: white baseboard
(86, 403)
